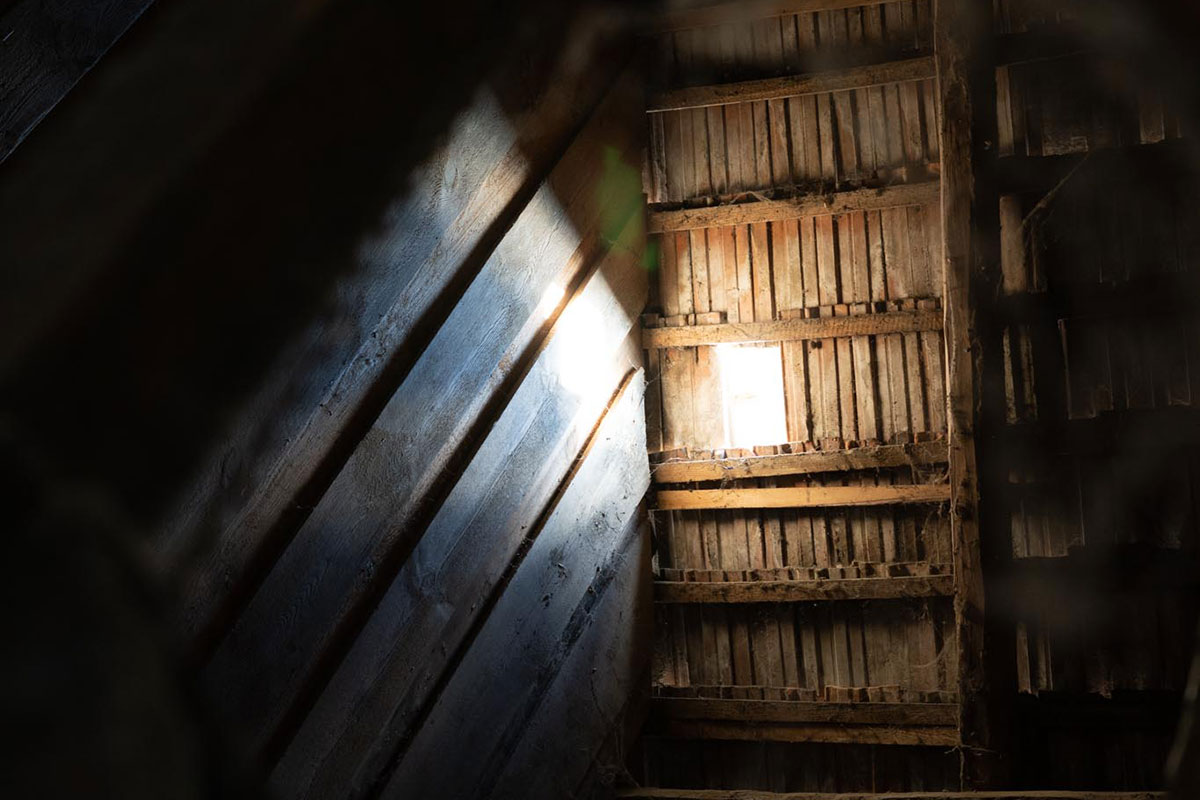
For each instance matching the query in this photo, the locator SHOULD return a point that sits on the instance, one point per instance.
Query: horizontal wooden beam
(803, 496)
(824, 590)
(720, 13)
(728, 730)
(792, 330)
(854, 458)
(792, 711)
(807, 205)
(748, 794)
(910, 69)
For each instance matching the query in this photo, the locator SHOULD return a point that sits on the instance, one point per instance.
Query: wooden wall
(370, 400)
(804, 208)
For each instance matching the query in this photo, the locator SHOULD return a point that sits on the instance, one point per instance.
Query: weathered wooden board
(378, 693)
(802, 496)
(855, 458)
(803, 591)
(610, 660)
(46, 52)
(488, 701)
(791, 330)
(392, 486)
(805, 205)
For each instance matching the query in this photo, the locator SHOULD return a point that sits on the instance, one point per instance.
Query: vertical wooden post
(964, 52)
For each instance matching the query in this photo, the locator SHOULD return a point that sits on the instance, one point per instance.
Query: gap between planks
(822, 590)
(862, 77)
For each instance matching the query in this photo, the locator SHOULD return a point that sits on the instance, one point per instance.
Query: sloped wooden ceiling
(354, 290)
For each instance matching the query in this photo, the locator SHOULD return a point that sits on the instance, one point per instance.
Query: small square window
(752, 394)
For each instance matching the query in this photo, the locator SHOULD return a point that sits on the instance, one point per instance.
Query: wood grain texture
(855, 458)
(807, 205)
(802, 496)
(791, 330)
(913, 69)
(856, 713)
(828, 589)
(932, 736)
(47, 49)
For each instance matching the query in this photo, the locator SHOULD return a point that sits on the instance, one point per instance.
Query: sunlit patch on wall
(752, 394)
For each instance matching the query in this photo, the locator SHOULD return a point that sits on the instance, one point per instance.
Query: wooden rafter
(793, 711)
(803, 496)
(824, 590)
(907, 194)
(874, 457)
(791, 330)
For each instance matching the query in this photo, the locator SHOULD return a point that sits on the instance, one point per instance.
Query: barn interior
(699, 400)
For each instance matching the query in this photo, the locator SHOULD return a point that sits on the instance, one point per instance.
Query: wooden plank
(856, 713)
(855, 458)
(833, 734)
(47, 49)
(730, 12)
(823, 590)
(792, 330)
(805, 205)
(529, 633)
(802, 496)
(891, 72)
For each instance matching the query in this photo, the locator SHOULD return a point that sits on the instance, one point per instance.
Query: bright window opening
(752, 391)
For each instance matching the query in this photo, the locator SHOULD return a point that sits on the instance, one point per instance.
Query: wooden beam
(964, 45)
(47, 48)
(875, 457)
(862, 77)
(720, 13)
(825, 590)
(791, 330)
(746, 794)
(802, 496)
(725, 730)
(807, 205)
(792, 711)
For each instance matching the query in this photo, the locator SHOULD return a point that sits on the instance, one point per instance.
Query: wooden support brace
(808, 205)
(791, 330)
(803, 496)
(804, 591)
(856, 458)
